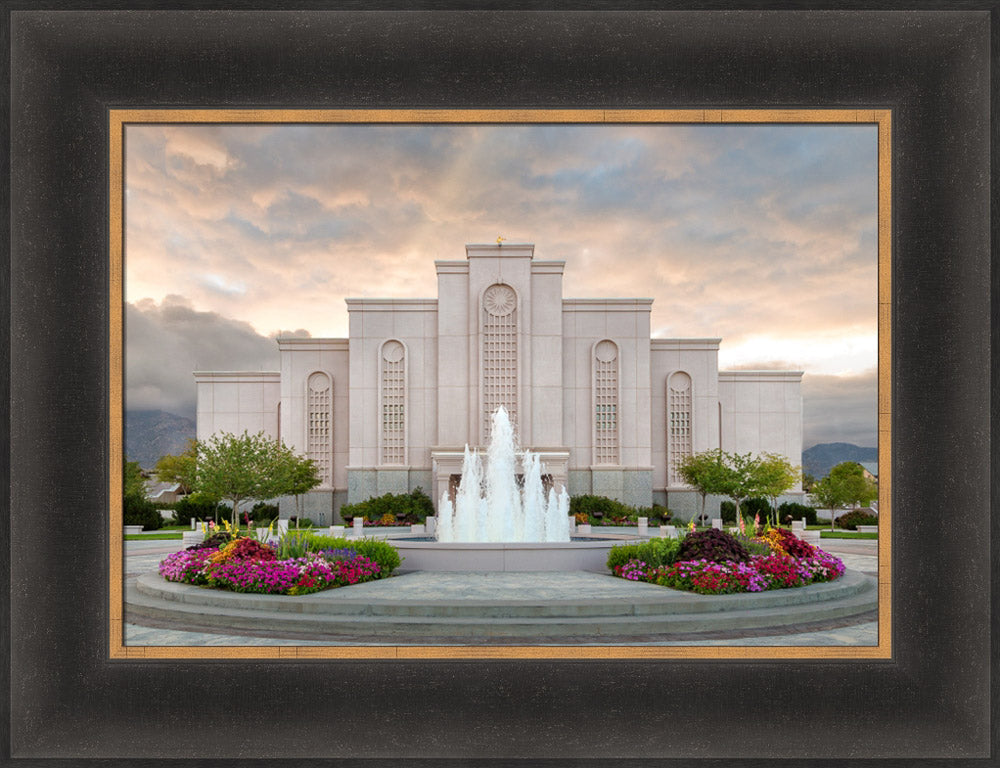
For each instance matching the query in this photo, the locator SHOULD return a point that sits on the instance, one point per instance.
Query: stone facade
(391, 407)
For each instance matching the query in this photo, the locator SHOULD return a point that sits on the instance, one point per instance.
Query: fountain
(495, 525)
(493, 508)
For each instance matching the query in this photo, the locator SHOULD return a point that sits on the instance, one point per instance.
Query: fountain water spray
(489, 506)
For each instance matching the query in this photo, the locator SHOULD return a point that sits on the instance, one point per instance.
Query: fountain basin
(581, 554)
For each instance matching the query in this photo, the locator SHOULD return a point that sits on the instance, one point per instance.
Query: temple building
(610, 409)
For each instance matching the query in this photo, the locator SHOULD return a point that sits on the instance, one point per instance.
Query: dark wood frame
(932, 699)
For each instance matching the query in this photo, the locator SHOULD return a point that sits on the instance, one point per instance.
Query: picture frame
(931, 699)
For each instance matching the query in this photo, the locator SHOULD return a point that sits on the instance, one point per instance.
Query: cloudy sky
(763, 235)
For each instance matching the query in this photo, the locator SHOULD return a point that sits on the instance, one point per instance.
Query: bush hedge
(138, 510)
(600, 508)
(415, 506)
(851, 520)
(194, 506)
(262, 512)
(797, 512)
(657, 514)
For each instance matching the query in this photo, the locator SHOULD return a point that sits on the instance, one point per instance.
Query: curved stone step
(672, 613)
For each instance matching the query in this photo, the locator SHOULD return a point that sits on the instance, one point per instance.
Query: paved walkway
(144, 556)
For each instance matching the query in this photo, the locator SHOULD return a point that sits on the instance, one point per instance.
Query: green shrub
(654, 553)
(194, 506)
(748, 508)
(599, 508)
(300, 522)
(712, 545)
(263, 512)
(727, 511)
(138, 510)
(797, 512)
(381, 552)
(657, 514)
(851, 520)
(415, 506)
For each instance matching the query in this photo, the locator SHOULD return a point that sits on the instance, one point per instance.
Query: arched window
(393, 397)
(499, 354)
(678, 423)
(605, 389)
(319, 425)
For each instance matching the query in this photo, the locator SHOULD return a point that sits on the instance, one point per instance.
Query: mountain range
(152, 434)
(821, 458)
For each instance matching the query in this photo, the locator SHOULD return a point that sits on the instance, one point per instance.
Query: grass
(828, 534)
(169, 536)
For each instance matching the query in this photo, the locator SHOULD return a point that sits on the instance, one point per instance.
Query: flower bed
(245, 565)
(790, 562)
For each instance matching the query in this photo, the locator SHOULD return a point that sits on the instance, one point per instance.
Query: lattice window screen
(679, 423)
(606, 403)
(319, 425)
(393, 403)
(499, 354)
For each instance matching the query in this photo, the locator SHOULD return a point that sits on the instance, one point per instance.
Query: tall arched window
(606, 403)
(499, 354)
(393, 397)
(678, 423)
(319, 425)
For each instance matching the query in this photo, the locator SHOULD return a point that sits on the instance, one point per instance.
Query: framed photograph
(120, 117)
(612, 393)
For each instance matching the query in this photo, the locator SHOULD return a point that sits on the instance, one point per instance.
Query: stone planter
(131, 530)
(337, 531)
(417, 528)
(583, 528)
(867, 529)
(643, 526)
(191, 537)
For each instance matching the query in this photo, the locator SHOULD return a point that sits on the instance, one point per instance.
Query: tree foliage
(134, 482)
(242, 468)
(706, 472)
(181, 468)
(775, 475)
(740, 480)
(845, 486)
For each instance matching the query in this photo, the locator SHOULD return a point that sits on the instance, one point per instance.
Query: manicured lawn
(846, 535)
(169, 536)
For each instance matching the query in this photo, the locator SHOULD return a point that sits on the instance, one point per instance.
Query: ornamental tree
(740, 479)
(858, 488)
(774, 475)
(830, 494)
(181, 469)
(705, 472)
(242, 468)
(302, 475)
(134, 484)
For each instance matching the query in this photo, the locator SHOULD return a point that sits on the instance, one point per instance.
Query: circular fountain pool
(580, 554)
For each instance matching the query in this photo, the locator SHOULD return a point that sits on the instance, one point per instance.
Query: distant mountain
(820, 459)
(152, 434)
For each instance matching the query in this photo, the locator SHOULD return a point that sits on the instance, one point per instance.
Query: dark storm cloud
(840, 409)
(165, 343)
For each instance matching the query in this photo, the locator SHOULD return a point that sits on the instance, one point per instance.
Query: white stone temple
(608, 407)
